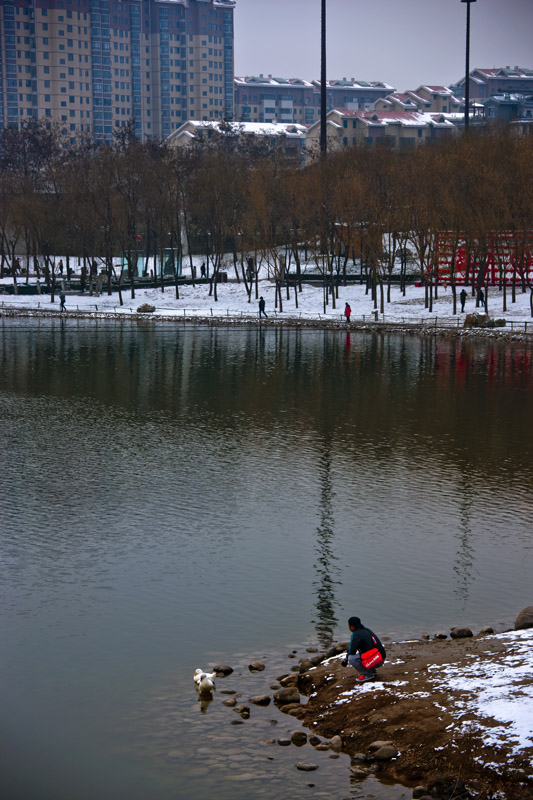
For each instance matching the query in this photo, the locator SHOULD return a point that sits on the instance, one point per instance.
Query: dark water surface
(175, 497)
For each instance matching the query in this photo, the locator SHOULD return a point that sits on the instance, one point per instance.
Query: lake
(175, 497)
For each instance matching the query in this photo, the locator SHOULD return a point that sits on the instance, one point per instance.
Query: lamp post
(323, 140)
(467, 69)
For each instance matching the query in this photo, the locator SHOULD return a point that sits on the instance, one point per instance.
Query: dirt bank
(449, 707)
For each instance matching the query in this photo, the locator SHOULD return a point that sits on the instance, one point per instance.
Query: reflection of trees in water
(464, 560)
(326, 619)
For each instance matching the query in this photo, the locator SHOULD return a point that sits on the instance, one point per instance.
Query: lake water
(174, 497)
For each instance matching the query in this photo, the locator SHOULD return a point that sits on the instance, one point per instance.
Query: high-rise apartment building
(94, 64)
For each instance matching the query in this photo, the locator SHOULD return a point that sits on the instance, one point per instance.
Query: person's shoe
(364, 678)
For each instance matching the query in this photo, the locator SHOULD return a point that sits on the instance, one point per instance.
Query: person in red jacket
(365, 651)
(347, 312)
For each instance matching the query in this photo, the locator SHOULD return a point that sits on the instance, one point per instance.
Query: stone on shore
(460, 633)
(260, 700)
(524, 619)
(222, 670)
(304, 767)
(287, 695)
(386, 753)
(256, 666)
(335, 743)
(299, 738)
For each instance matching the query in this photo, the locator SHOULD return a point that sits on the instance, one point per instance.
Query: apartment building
(91, 65)
(484, 83)
(273, 99)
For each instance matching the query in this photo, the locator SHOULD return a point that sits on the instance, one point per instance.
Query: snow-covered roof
(405, 119)
(288, 83)
(192, 127)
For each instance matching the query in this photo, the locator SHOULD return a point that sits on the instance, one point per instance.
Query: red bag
(372, 658)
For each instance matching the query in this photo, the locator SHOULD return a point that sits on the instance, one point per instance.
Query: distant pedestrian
(60, 266)
(83, 278)
(481, 297)
(202, 270)
(62, 299)
(347, 312)
(262, 307)
(462, 297)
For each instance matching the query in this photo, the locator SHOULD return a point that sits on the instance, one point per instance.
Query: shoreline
(441, 707)
(405, 328)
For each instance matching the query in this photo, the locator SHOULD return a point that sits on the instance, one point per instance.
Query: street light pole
(467, 69)
(323, 139)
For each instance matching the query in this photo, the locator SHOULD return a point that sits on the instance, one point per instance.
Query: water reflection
(464, 559)
(324, 586)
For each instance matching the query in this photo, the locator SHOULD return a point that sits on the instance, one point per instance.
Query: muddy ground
(422, 718)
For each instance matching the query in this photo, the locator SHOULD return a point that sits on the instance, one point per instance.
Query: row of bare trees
(375, 207)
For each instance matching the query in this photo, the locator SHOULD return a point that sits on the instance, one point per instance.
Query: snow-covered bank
(196, 303)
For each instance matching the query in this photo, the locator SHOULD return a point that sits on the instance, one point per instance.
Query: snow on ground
(498, 688)
(195, 301)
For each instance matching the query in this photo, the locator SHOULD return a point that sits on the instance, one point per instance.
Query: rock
(228, 691)
(336, 649)
(275, 686)
(305, 664)
(304, 767)
(322, 747)
(419, 791)
(524, 619)
(284, 742)
(287, 695)
(222, 670)
(386, 753)
(314, 740)
(294, 711)
(377, 745)
(316, 660)
(359, 758)
(441, 635)
(359, 772)
(500, 323)
(237, 722)
(230, 702)
(256, 666)
(299, 738)
(281, 677)
(311, 650)
(486, 630)
(461, 633)
(260, 700)
(243, 710)
(478, 321)
(146, 308)
(336, 743)
(289, 680)
(426, 636)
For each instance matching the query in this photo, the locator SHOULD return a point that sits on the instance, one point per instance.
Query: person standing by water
(365, 651)
(262, 307)
(347, 312)
(462, 297)
(62, 299)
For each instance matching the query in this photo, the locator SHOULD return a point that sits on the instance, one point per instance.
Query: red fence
(501, 257)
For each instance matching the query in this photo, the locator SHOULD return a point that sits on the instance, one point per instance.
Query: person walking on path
(62, 299)
(347, 312)
(365, 651)
(262, 307)
(462, 297)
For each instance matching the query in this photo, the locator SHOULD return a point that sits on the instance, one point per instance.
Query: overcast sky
(404, 43)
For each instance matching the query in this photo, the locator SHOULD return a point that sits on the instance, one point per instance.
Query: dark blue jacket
(361, 641)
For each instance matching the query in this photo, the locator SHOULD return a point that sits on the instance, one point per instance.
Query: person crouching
(365, 652)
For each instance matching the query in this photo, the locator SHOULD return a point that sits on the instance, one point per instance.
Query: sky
(404, 43)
